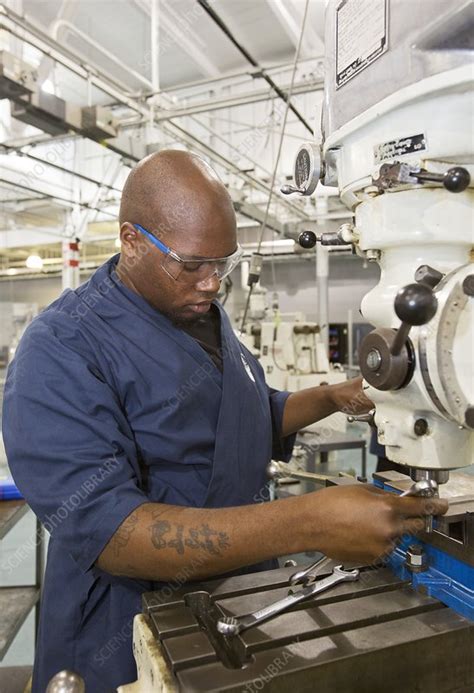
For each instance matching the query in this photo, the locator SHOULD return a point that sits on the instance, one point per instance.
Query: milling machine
(291, 352)
(397, 131)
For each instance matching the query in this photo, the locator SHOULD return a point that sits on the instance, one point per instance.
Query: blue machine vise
(439, 564)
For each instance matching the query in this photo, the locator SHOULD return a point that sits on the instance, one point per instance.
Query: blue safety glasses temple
(192, 269)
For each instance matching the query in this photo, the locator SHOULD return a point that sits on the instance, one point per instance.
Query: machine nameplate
(395, 148)
(361, 36)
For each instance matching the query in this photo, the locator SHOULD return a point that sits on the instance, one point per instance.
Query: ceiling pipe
(69, 172)
(221, 24)
(235, 101)
(19, 27)
(49, 196)
(256, 74)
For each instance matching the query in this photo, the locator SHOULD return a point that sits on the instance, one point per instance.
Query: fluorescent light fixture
(34, 262)
(277, 243)
(11, 271)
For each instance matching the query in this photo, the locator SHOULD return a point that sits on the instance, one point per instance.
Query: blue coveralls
(102, 387)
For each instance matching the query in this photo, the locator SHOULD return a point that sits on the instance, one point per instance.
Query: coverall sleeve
(69, 445)
(282, 447)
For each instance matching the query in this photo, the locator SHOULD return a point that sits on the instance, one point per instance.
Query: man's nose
(211, 284)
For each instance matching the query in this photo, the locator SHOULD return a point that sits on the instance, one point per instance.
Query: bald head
(178, 198)
(172, 192)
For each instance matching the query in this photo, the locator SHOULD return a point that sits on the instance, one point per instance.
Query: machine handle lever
(415, 304)
(363, 418)
(455, 179)
(289, 189)
(308, 239)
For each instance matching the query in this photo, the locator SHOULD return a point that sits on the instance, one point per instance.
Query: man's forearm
(159, 541)
(315, 403)
(307, 406)
(167, 542)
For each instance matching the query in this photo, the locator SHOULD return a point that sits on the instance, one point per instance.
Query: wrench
(230, 625)
(305, 575)
(427, 488)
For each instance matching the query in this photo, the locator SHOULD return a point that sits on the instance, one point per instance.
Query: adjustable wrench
(426, 488)
(230, 625)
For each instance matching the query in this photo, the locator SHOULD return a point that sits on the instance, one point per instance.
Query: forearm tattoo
(167, 535)
(122, 536)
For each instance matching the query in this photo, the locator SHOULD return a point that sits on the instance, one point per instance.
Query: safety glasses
(192, 270)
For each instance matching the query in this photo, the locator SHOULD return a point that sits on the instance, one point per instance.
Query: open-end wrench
(426, 488)
(230, 625)
(302, 577)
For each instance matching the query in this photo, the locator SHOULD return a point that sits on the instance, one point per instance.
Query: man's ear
(128, 237)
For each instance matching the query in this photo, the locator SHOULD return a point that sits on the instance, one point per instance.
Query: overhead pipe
(19, 27)
(231, 75)
(59, 198)
(221, 24)
(235, 101)
(75, 174)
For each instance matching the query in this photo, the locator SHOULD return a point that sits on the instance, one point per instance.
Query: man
(139, 429)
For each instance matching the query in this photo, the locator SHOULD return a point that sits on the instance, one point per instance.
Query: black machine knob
(455, 179)
(415, 304)
(307, 239)
(386, 356)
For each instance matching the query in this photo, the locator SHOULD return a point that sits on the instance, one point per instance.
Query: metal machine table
(338, 441)
(373, 635)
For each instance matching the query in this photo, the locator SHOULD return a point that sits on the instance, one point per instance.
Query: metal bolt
(421, 427)
(416, 559)
(415, 550)
(374, 359)
(372, 254)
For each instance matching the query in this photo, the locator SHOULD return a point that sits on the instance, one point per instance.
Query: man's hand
(363, 523)
(350, 398)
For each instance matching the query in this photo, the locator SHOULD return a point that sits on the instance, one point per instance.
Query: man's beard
(182, 322)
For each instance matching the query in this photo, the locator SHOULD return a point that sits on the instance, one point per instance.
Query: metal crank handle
(230, 625)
